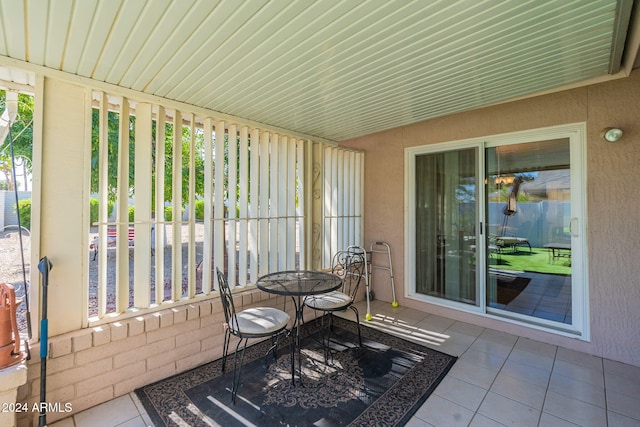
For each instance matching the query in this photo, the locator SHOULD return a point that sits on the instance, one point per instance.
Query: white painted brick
(206, 307)
(135, 326)
(78, 374)
(180, 314)
(59, 364)
(211, 321)
(195, 334)
(193, 360)
(87, 401)
(172, 331)
(101, 335)
(166, 318)
(151, 322)
(62, 395)
(118, 331)
(82, 342)
(172, 356)
(59, 347)
(246, 300)
(130, 384)
(96, 353)
(113, 376)
(142, 352)
(213, 344)
(193, 311)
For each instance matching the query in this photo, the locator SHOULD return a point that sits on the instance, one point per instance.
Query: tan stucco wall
(613, 202)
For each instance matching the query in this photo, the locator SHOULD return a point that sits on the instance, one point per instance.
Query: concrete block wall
(91, 366)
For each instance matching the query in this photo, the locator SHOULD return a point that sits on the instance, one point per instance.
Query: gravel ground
(11, 268)
(11, 265)
(11, 271)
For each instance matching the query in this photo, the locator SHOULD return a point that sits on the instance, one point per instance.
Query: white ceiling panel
(336, 69)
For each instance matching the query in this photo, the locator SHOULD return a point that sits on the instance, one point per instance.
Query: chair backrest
(227, 299)
(350, 264)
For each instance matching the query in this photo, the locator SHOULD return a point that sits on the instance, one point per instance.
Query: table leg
(299, 307)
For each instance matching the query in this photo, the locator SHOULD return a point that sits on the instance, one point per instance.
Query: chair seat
(260, 321)
(335, 300)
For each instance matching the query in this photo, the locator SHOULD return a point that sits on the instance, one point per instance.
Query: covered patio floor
(499, 379)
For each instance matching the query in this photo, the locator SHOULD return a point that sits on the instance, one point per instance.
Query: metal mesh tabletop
(299, 282)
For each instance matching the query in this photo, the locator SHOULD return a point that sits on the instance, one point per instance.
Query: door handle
(573, 230)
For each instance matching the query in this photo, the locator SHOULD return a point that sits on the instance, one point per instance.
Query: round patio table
(298, 284)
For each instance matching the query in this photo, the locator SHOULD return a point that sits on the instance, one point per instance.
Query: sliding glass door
(446, 217)
(497, 226)
(528, 206)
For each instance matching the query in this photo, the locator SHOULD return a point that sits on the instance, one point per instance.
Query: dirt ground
(11, 270)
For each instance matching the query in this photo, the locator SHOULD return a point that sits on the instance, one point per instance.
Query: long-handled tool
(44, 266)
(12, 107)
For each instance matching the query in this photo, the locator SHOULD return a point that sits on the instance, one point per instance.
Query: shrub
(199, 210)
(132, 213)
(94, 209)
(24, 207)
(168, 213)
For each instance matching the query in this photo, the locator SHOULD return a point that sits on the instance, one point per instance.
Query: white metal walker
(377, 248)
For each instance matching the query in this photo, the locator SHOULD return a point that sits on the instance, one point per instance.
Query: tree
(22, 134)
(112, 158)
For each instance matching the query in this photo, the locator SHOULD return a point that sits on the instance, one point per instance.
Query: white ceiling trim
(336, 69)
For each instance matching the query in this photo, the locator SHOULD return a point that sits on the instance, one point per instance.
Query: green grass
(538, 261)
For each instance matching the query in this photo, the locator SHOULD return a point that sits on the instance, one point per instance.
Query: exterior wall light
(611, 134)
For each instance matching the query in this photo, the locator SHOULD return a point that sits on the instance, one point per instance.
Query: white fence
(8, 214)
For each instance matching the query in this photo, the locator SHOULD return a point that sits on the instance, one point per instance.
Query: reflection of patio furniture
(512, 242)
(510, 210)
(559, 250)
(255, 322)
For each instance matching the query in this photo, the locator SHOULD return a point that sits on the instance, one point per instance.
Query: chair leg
(237, 370)
(225, 348)
(274, 348)
(355, 310)
(326, 344)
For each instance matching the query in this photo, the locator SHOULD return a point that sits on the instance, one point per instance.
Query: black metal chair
(349, 264)
(255, 322)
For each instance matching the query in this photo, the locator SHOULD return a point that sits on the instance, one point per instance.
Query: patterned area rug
(381, 383)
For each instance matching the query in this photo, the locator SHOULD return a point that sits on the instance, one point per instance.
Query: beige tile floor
(499, 379)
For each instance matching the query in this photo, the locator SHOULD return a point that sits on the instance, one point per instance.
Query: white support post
(143, 187)
(218, 200)
(254, 204)
(244, 205)
(161, 135)
(122, 215)
(191, 247)
(207, 244)
(291, 204)
(340, 184)
(281, 201)
(103, 213)
(303, 174)
(232, 201)
(263, 208)
(176, 201)
(274, 204)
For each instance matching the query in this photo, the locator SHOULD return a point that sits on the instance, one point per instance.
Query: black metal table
(298, 284)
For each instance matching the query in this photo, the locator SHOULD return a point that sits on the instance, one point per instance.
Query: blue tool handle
(44, 338)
